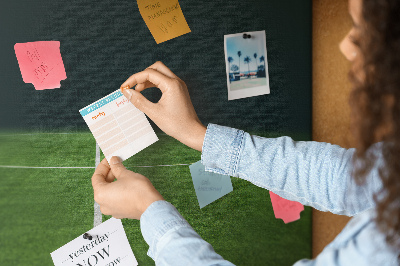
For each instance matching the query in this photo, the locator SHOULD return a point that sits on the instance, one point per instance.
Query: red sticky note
(41, 63)
(284, 209)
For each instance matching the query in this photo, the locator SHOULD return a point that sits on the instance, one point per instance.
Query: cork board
(331, 89)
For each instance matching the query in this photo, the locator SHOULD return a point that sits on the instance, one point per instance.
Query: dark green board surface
(104, 42)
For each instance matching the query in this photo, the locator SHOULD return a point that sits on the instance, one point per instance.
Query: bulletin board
(104, 42)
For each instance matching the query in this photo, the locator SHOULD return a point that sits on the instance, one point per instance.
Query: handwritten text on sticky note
(288, 211)
(209, 186)
(108, 246)
(41, 64)
(164, 18)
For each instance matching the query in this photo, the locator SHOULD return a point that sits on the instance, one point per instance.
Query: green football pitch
(47, 204)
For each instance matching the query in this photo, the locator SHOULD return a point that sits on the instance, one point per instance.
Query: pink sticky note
(284, 209)
(41, 64)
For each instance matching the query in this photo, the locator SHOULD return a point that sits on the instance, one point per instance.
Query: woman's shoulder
(362, 239)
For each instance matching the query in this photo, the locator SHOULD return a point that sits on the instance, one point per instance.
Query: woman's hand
(174, 112)
(128, 196)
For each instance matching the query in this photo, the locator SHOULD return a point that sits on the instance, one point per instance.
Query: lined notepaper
(118, 126)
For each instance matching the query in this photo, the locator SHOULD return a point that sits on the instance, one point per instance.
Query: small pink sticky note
(41, 64)
(284, 209)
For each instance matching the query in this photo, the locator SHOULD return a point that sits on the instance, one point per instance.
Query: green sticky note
(209, 186)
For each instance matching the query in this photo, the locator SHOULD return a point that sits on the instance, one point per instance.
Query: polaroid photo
(246, 64)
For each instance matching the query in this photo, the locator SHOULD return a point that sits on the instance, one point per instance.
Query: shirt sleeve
(312, 173)
(359, 243)
(172, 241)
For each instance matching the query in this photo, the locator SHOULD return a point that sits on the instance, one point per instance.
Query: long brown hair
(375, 102)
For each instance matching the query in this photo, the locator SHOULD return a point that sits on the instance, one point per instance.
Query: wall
(101, 48)
(331, 88)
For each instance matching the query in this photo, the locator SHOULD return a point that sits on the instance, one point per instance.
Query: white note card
(108, 247)
(118, 126)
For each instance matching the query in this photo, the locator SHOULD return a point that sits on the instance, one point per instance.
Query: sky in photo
(248, 47)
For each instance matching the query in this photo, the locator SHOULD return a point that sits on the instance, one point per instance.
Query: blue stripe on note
(100, 103)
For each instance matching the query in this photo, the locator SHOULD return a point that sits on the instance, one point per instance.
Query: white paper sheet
(118, 126)
(108, 247)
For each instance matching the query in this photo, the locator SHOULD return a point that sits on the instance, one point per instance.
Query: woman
(316, 174)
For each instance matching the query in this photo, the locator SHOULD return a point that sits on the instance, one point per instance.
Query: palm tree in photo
(230, 60)
(262, 59)
(255, 60)
(234, 68)
(247, 60)
(239, 54)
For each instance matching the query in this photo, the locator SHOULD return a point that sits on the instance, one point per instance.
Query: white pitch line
(45, 167)
(161, 165)
(32, 134)
(98, 217)
(88, 167)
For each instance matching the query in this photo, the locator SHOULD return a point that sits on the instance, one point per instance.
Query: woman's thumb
(138, 100)
(116, 166)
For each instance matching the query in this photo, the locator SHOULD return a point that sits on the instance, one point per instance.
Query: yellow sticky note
(164, 18)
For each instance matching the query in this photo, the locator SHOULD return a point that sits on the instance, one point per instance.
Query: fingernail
(127, 93)
(124, 88)
(115, 160)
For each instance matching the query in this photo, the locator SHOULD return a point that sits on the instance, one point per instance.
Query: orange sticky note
(284, 209)
(41, 64)
(164, 18)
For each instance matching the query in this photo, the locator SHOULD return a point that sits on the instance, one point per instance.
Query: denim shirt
(312, 173)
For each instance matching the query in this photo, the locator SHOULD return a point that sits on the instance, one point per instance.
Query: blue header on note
(100, 103)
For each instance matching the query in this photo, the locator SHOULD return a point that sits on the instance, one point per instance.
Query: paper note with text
(209, 186)
(118, 126)
(287, 210)
(108, 246)
(164, 18)
(41, 64)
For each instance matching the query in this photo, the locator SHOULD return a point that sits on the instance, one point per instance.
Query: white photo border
(248, 92)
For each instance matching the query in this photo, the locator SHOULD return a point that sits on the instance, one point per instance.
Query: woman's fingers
(110, 177)
(160, 67)
(157, 66)
(99, 179)
(100, 174)
(143, 86)
(140, 102)
(143, 80)
(158, 79)
(174, 112)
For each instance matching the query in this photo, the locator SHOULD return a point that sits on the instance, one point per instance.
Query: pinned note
(164, 18)
(209, 186)
(118, 126)
(106, 244)
(41, 64)
(288, 211)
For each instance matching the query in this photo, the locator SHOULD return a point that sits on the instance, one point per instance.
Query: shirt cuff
(222, 148)
(158, 219)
